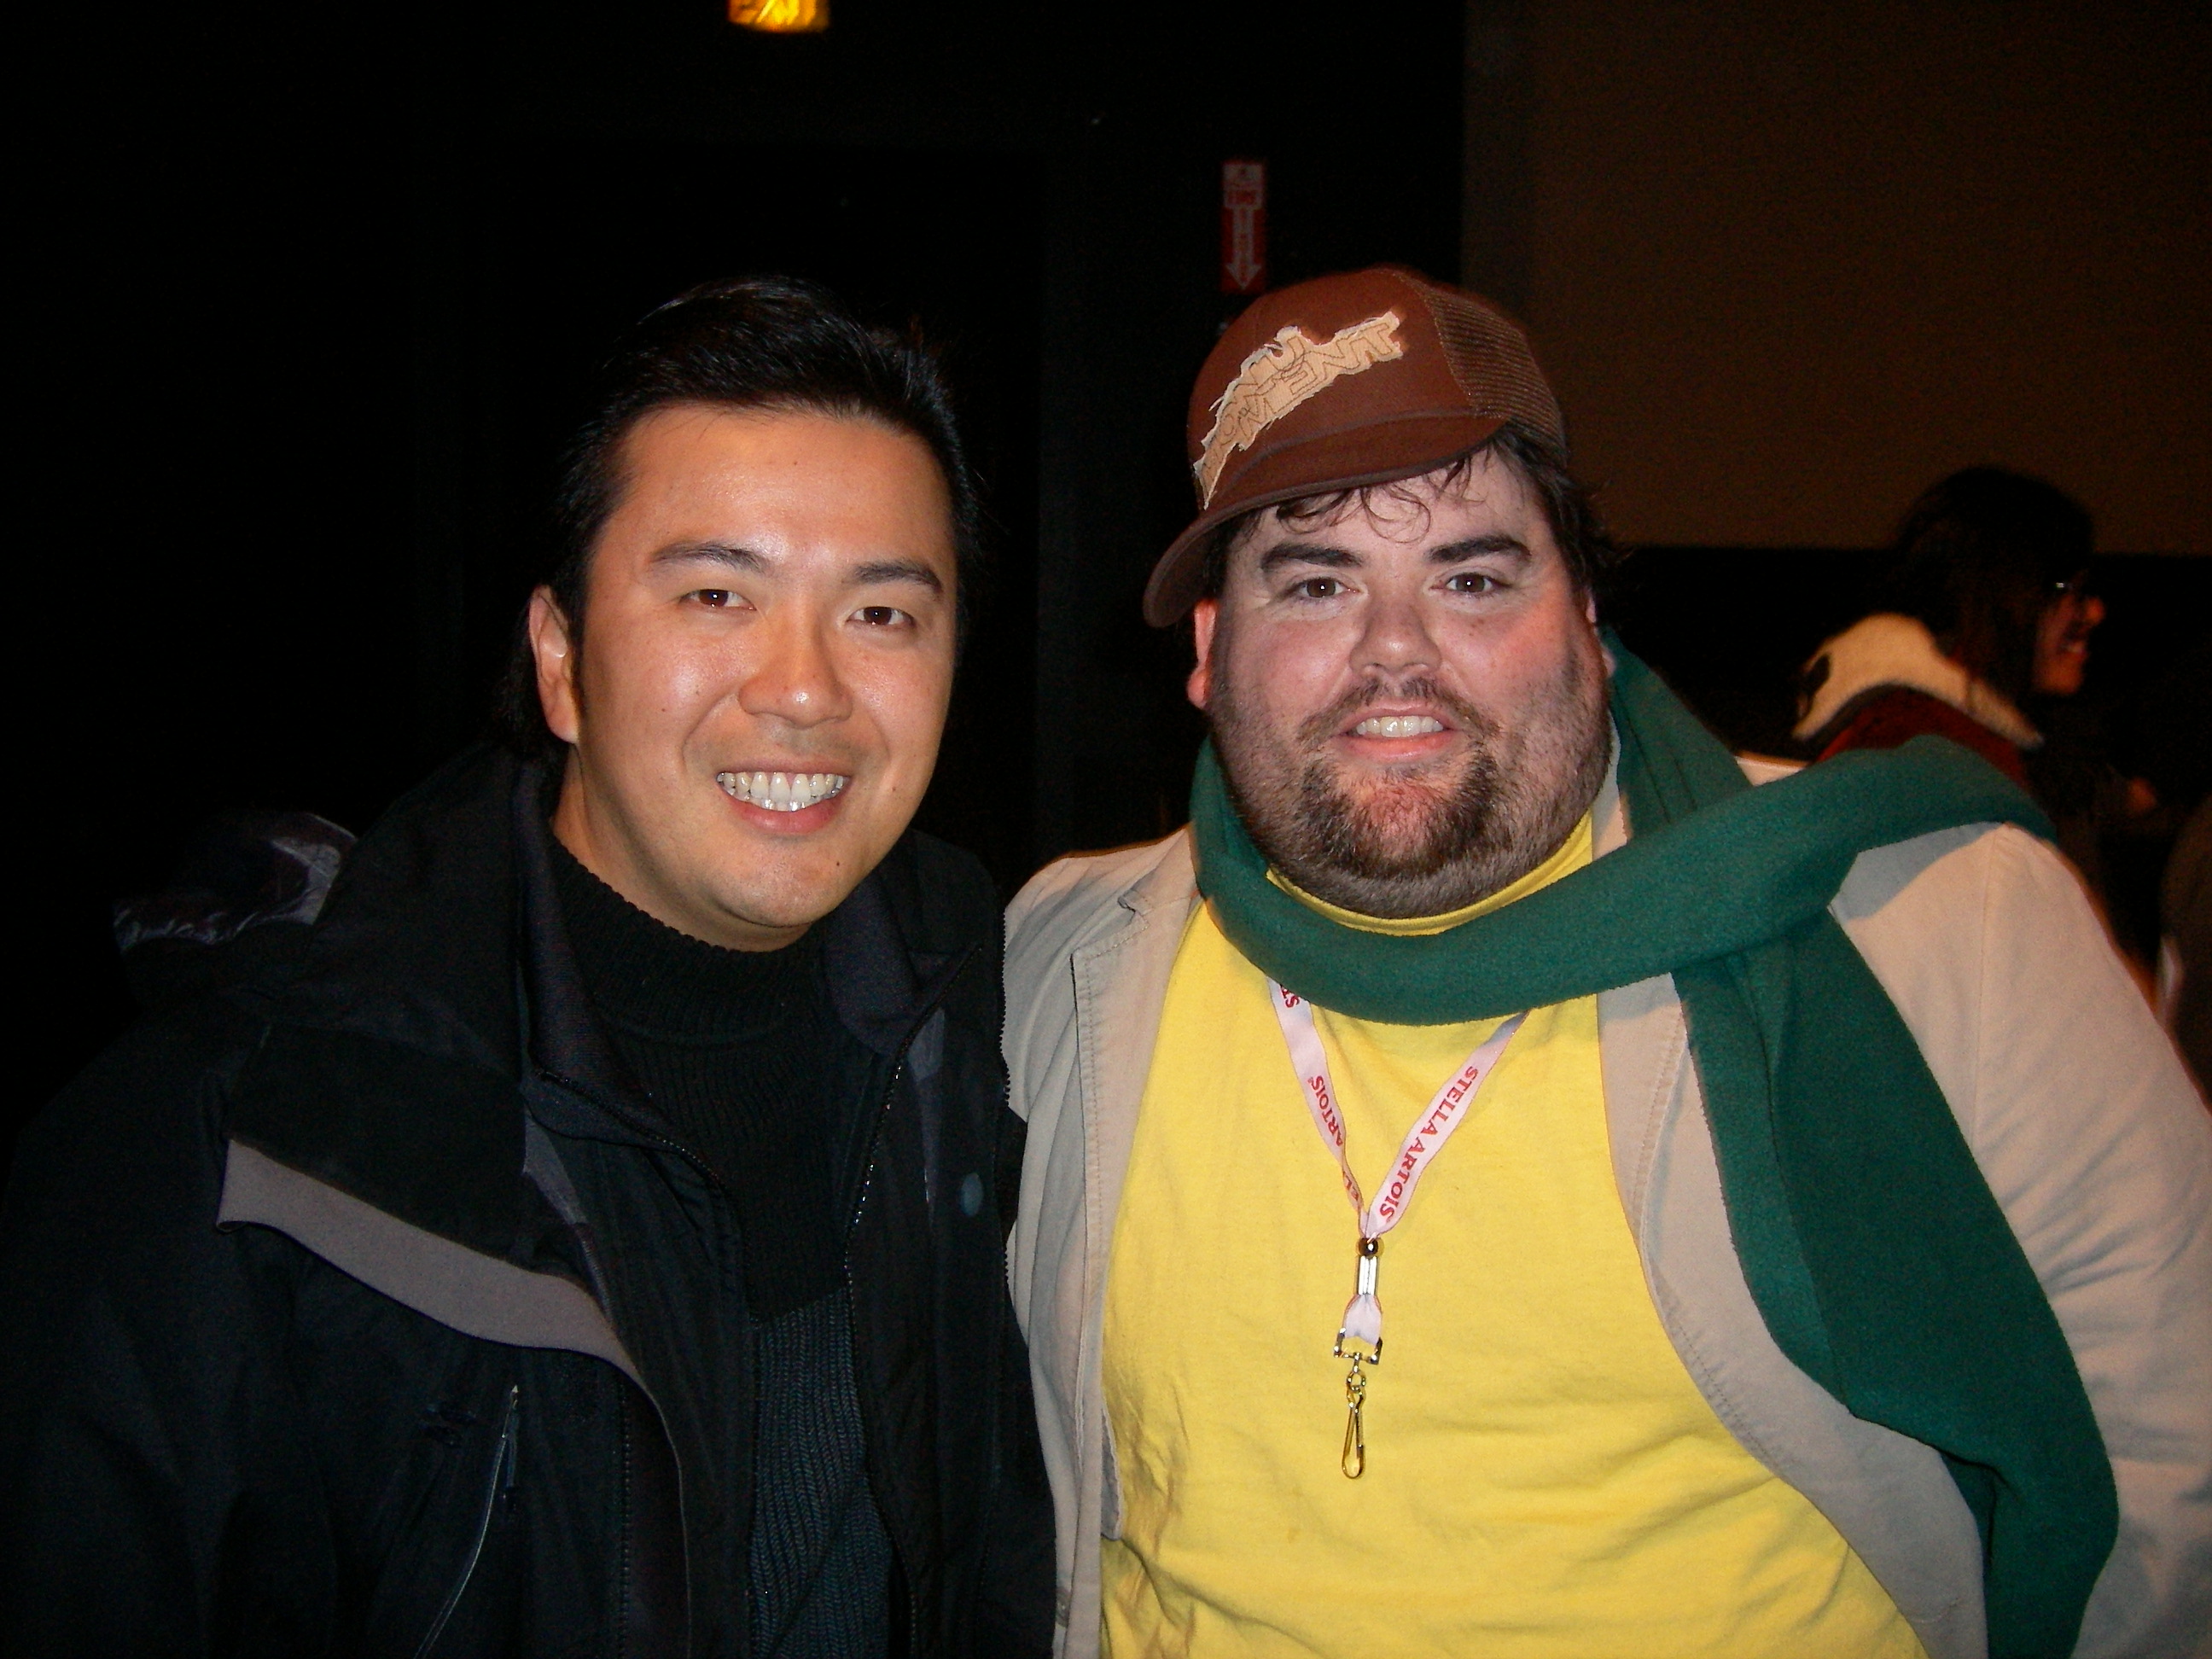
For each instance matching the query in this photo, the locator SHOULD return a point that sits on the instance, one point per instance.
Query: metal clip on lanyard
(1354, 1462)
(1359, 1337)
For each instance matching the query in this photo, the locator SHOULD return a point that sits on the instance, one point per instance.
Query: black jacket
(358, 1311)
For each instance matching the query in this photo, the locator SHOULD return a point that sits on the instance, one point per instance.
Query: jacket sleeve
(2100, 1150)
(1014, 1612)
(143, 1429)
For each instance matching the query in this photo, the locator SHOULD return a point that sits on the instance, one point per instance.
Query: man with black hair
(590, 1239)
(1777, 1226)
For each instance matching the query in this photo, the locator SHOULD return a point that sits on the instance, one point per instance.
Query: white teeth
(1398, 726)
(782, 792)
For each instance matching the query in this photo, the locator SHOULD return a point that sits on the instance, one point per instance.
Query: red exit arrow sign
(1243, 226)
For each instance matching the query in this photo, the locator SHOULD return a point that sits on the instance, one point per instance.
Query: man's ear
(1203, 616)
(551, 644)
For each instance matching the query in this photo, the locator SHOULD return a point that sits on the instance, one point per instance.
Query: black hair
(1540, 463)
(1978, 559)
(761, 343)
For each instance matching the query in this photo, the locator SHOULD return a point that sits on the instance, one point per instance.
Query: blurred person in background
(1988, 609)
(1984, 640)
(582, 1230)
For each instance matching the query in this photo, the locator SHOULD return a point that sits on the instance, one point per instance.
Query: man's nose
(1396, 638)
(795, 679)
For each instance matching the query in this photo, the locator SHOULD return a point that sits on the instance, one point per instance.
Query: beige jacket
(2087, 1129)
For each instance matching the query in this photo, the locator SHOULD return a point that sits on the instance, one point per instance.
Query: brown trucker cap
(1338, 383)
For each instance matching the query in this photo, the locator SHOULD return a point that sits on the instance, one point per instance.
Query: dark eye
(881, 615)
(1471, 581)
(1317, 587)
(713, 597)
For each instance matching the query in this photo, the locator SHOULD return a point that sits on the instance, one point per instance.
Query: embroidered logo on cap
(1282, 375)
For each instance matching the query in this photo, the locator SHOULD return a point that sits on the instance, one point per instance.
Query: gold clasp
(1354, 1462)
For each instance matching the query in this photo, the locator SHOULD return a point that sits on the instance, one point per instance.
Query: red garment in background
(1891, 718)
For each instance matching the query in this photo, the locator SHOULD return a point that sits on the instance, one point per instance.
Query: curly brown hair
(1591, 555)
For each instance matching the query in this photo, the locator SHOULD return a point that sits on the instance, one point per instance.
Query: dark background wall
(312, 292)
(1791, 263)
(318, 289)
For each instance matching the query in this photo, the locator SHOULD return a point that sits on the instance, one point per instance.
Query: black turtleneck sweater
(743, 1053)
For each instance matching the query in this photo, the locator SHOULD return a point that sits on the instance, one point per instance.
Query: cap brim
(1404, 446)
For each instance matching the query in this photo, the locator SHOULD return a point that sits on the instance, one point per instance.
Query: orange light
(781, 17)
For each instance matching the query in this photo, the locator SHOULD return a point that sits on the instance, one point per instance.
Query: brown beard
(1421, 843)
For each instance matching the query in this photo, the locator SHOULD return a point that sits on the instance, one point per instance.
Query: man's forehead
(702, 462)
(670, 506)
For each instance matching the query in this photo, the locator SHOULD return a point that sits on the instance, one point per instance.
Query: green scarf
(1879, 1260)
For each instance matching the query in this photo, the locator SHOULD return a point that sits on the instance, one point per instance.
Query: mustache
(1317, 729)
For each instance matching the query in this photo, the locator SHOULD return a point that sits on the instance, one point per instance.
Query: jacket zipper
(643, 1132)
(988, 1516)
(660, 1418)
(868, 1172)
(861, 1205)
(859, 1208)
(501, 1484)
(891, 1092)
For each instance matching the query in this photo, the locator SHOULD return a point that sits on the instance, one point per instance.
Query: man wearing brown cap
(1790, 1223)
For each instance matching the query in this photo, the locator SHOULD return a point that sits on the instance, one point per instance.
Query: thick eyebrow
(1283, 553)
(722, 553)
(1496, 543)
(743, 558)
(896, 570)
(1475, 547)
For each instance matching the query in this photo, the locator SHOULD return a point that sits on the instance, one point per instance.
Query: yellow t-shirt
(1543, 1477)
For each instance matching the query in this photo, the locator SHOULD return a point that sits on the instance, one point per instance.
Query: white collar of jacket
(1885, 650)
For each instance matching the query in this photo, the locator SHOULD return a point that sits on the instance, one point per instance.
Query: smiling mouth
(1398, 726)
(782, 792)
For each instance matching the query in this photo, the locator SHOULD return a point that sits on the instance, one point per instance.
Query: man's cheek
(1275, 694)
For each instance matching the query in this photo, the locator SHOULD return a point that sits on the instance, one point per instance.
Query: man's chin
(1395, 846)
(795, 903)
(1395, 824)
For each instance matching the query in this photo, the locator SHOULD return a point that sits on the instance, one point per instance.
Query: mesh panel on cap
(1489, 357)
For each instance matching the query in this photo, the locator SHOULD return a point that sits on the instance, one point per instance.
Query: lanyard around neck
(1451, 1106)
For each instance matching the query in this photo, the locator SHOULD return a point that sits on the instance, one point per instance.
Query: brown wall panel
(1788, 264)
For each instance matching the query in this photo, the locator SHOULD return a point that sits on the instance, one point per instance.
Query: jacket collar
(1885, 650)
(438, 990)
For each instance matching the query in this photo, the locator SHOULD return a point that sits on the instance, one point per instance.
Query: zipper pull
(510, 1447)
